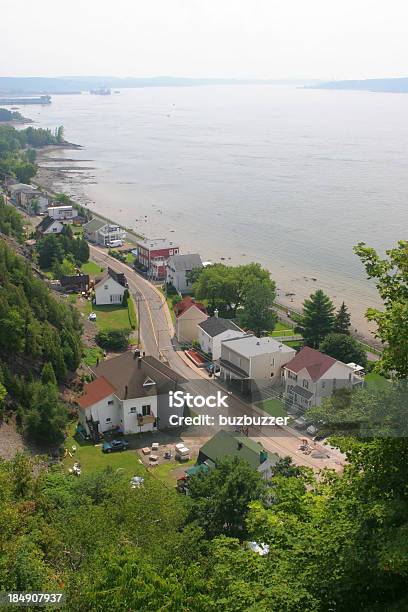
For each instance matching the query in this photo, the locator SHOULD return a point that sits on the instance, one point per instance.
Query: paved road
(157, 338)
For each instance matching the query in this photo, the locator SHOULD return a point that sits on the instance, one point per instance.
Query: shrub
(113, 339)
(132, 313)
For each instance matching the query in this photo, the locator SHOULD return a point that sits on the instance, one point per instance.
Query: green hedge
(132, 313)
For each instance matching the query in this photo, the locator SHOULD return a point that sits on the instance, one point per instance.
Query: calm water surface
(289, 177)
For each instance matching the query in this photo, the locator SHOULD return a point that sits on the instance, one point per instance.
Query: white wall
(102, 411)
(130, 422)
(109, 292)
(212, 344)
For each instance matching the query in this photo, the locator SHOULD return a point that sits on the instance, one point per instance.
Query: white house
(104, 233)
(311, 376)
(189, 314)
(130, 394)
(49, 226)
(252, 363)
(110, 289)
(61, 212)
(215, 330)
(178, 268)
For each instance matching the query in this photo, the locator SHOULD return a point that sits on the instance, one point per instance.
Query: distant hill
(76, 84)
(399, 85)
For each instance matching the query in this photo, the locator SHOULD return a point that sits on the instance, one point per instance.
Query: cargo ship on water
(21, 101)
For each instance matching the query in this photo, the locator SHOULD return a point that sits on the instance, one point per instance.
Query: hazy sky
(218, 38)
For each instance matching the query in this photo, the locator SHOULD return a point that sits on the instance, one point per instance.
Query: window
(305, 384)
(133, 409)
(273, 361)
(110, 403)
(146, 410)
(323, 384)
(108, 420)
(105, 287)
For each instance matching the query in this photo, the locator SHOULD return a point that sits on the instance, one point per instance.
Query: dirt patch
(11, 442)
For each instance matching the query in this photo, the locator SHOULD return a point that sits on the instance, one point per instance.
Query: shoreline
(287, 281)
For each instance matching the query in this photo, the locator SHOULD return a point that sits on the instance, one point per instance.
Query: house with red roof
(189, 314)
(312, 376)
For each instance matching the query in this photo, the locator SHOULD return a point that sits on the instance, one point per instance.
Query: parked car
(311, 430)
(300, 423)
(114, 445)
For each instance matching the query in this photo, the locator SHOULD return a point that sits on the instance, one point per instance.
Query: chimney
(139, 363)
(126, 391)
(216, 313)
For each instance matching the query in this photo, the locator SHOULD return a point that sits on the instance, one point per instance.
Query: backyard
(91, 268)
(272, 406)
(107, 316)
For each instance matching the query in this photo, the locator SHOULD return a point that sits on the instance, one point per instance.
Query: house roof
(118, 277)
(45, 224)
(156, 243)
(315, 362)
(226, 444)
(94, 225)
(21, 187)
(95, 392)
(129, 373)
(75, 280)
(183, 263)
(186, 303)
(250, 346)
(214, 326)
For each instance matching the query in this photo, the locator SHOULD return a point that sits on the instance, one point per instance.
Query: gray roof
(94, 225)
(21, 187)
(214, 326)
(182, 263)
(128, 375)
(250, 346)
(45, 224)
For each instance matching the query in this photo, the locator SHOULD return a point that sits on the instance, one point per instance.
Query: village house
(213, 331)
(152, 254)
(178, 268)
(49, 226)
(189, 314)
(29, 198)
(252, 364)
(129, 394)
(311, 376)
(111, 288)
(63, 213)
(103, 233)
(225, 444)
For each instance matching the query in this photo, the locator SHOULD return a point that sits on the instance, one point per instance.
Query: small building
(76, 283)
(63, 213)
(213, 331)
(129, 393)
(103, 233)
(49, 226)
(178, 268)
(153, 254)
(189, 314)
(226, 444)
(253, 364)
(110, 289)
(311, 376)
(28, 197)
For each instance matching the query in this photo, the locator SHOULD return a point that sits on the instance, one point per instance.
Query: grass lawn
(77, 230)
(92, 459)
(107, 317)
(168, 472)
(375, 381)
(91, 268)
(272, 406)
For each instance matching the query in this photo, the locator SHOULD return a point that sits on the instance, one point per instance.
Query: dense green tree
(257, 314)
(221, 497)
(48, 374)
(317, 319)
(227, 287)
(47, 416)
(50, 251)
(344, 348)
(113, 339)
(391, 276)
(342, 321)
